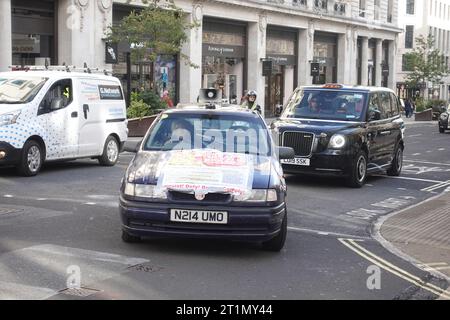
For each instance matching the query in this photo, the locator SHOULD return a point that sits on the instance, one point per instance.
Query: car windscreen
(17, 90)
(324, 104)
(225, 133)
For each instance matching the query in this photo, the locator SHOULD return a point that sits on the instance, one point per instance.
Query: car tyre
(358, 175)
(128, 238)
(110, 154)
(277, 243)
(31, 159)
(441, 130)
(397, 163)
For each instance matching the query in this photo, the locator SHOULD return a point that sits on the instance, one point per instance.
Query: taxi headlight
(444, 116)
(260, 195)
(337, 141)
(143, 191)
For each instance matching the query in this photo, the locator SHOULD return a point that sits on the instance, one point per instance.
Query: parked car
(207, 172)
(342, 130)
(443, 119)
(54, 115)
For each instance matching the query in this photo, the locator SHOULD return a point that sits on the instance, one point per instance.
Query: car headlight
(337, 141)
(144, 191)
(259, 195)
(444, 116)
(9, 118)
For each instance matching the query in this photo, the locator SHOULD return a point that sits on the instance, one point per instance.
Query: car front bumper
(252, 224)
(8, 154)
(443, 124)
(330, 162)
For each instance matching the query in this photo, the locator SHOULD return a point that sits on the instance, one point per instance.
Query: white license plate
(198, 216)
(297, 162)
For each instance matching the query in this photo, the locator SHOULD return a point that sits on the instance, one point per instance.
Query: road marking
(437, 186)
(415, 135)
(326, 233)
(408, 178)
(428, 162)
(8, 196)
(416, 154)
(441, 149)
(384, 264)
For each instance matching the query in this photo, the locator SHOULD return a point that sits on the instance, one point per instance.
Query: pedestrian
(166, 98)
(408, 108)
(251, 102)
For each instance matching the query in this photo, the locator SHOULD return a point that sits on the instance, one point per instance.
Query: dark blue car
(203, 172)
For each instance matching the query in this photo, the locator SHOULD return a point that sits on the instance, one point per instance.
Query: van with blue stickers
(49, 115)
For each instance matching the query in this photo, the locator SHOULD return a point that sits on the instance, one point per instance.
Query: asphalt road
(66, 220)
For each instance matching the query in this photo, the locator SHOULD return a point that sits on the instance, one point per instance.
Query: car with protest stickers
(347, 131)
(207, 172)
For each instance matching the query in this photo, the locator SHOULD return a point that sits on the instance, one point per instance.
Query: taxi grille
(301, 142)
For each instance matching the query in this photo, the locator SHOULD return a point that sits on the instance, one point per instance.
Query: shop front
(224, 57)
(33, 32)
(325, 54)
(280, 83)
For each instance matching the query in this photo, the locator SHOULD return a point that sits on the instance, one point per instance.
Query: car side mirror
(286, 153)
(57, 103)
(374, 115)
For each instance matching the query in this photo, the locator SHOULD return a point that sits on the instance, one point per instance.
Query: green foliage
(151, 98)
(144, 104)
(138, 109)
(157, 29)
(426, 63)
(435, 105)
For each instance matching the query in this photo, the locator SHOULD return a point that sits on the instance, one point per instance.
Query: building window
(321, 4)
(409, 37)
(410, 4)
(362, 8)
(406, 65)
(299, 2)
(390, 11)
(339, 8)
(376, 9)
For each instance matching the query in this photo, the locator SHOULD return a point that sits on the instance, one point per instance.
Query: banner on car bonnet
(202, 172)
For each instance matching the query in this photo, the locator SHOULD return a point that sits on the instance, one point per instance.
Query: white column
(5, 35)
(190, 77)
(257, 52)
(305, 55)
(379, 63)
(82, 26)
(392, 64)
(346, 61)
(365, 61)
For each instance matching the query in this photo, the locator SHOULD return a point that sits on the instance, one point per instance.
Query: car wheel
(31, 160)
(277, 243)
(128, 238)
(441, 130)
(397, 163)
(110, 154)
(358, 174)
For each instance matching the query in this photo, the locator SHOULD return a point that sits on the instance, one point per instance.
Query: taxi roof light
(333, 86)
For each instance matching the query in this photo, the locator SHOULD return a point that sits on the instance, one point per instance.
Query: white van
(56, 115)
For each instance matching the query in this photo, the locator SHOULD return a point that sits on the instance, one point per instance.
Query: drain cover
(80, 292)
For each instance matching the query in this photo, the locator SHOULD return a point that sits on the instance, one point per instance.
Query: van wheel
(358, 174)
(128, 238)
(277, 243)
(31, 160)
(110, 154)
(397, 163)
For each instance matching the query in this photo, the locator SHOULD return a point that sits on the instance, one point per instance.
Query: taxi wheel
(441, 130)
(277, 243)
(128, 238)
(397, 163)
(110, 154)
(31, 160)
(358, 174)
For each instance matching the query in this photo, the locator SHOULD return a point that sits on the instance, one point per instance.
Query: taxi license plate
(198, 216)
(297, 162)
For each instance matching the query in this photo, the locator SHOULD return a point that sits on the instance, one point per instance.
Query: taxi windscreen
(341, 105)
(225, 133)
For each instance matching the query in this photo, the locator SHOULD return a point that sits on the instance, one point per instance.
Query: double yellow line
(380, 262)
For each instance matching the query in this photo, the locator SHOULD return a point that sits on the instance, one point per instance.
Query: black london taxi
(207, 172)
(349, 131)
(443, 119)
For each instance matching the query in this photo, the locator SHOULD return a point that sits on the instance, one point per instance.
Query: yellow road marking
(352, 245)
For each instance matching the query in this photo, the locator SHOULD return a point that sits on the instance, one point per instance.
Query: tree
(426, 64)
(157, 29)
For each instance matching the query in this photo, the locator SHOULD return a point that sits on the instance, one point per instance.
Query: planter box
(426, 115)
(138, 127)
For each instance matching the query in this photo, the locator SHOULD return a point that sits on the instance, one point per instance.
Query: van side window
(395, 105)
(59, 96)
(385, 105)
